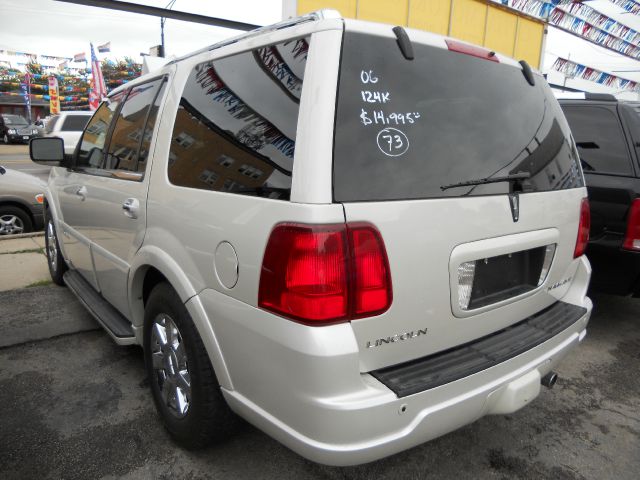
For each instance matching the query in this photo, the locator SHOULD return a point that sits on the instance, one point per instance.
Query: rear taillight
(632, 237)
(583, 229)
(321, 274)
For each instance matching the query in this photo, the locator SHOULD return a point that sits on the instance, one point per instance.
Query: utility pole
(162, 20)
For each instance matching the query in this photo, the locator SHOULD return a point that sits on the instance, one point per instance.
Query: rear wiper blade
(482, 181)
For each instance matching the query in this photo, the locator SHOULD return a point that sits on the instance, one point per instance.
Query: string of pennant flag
(586, 22)
(593, 17)
(45, 97)
(577, 70)
(37, 86)
(630, 6)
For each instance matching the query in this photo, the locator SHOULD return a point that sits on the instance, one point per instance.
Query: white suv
(356, 237)
(68, 125)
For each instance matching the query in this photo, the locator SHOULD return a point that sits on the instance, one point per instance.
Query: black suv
(607, 134)
(16, 128)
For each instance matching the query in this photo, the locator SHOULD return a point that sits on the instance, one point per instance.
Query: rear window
(600, 140)
(75, 123)
(405, 129)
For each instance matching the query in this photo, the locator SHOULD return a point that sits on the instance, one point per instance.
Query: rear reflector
(472, 50)
(583, 229)
(320, 274)
(632, 237)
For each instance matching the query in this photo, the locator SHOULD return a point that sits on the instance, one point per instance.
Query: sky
(48, 27)
(61, 29)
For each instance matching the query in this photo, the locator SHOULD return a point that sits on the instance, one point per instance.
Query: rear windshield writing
(405, 129)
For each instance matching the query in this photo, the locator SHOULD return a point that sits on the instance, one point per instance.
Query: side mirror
(47, 151)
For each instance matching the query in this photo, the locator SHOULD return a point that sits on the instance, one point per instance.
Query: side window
(90, 153)
(599, 138)
(235, 129)
(74, 123)
(131, 135)
(149, 128)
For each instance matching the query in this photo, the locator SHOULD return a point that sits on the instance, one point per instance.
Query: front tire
(55, 260)
(183, 384)
(14, 220)
(5, 139)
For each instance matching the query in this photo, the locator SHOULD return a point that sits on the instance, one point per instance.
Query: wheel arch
(152, 266)
(17, 203)
(50, 206)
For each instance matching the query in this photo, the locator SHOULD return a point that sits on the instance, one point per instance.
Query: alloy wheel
(10, 225)
(52, 249)
(170, 366)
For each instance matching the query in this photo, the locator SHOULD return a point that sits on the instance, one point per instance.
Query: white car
(67, 125)
(355, 236)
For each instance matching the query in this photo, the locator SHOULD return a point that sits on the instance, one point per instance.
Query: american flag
(99, 88)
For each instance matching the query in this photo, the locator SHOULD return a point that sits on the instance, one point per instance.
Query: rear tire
(5, 139)
(14, 220)
(183, 384)
(55, 260)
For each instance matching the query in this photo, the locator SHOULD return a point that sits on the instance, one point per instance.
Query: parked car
(16, 129)
(607, 133)
(67, 125)
(357, 237)
(21, 199)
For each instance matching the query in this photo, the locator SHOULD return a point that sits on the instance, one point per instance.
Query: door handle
(130, 207)
(82, 192)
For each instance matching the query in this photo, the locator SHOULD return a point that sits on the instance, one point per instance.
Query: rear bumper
(303, 387)
(391, 425)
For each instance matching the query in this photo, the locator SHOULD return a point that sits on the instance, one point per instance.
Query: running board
(118, 327)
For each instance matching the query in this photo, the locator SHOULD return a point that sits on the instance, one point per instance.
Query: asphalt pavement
(76, 406)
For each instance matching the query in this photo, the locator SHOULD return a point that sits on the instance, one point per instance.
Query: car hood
(14, 181)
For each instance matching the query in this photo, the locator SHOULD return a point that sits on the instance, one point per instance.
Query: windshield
(404, 129)
(14, 120)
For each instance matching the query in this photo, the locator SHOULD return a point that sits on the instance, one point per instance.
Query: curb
(21, 235)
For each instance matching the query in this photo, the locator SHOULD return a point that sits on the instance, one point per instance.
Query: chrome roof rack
(291, 22)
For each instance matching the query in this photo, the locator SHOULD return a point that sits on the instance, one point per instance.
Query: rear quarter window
(599, 138)
(235, 129)
(75, 123)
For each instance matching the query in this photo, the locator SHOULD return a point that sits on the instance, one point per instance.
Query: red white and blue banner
(630, 6)
(80, 57)
(99, 90)
(104, 48)
(26, 94)
(584, 21)
(576, 70)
